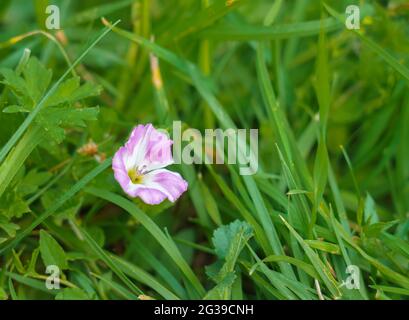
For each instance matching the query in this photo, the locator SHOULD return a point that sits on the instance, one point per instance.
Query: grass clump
(330, 196)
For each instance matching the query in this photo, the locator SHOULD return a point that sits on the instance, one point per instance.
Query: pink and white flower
(139, 167)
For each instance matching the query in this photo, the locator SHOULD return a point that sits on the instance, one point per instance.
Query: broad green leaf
(53, 120)
(228, 240)
(37, 79)
(70, 91)
(12, 205)
(231, 238)
(51, 252)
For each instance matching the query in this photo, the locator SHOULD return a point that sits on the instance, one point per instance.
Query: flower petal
(148, 149)
(120, 170)
(159, 151)
(156, 185)
(137, 146)
(170, 183)
(151, 196)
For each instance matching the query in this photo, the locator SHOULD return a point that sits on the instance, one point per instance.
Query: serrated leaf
(86, 90)
(228, 240)
(70, 91)
(54, 119)
(37, 78)
(12, 205)
(225, 237)
(18, 87)
(51, 252)
(13, 81)
(30, 88)
(64, 92)
(52, 132)
(66, 116)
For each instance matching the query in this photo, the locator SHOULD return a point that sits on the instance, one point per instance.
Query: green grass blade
(285, 31)
(108, 260)
(156, 232)
(319, 266)
(142, 276)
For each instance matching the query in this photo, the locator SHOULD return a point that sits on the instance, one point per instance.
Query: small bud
(89, 149)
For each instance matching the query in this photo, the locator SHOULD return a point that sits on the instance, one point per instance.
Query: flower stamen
(135, 176)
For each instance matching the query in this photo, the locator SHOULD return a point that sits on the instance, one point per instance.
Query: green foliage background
(331, 106)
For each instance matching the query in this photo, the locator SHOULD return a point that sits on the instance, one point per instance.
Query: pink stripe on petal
(118, 160)
(136, 136)
(159, 153)
(151, 196)
(118, 165)
(137, 145)
(168, 182)
(132, 189)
